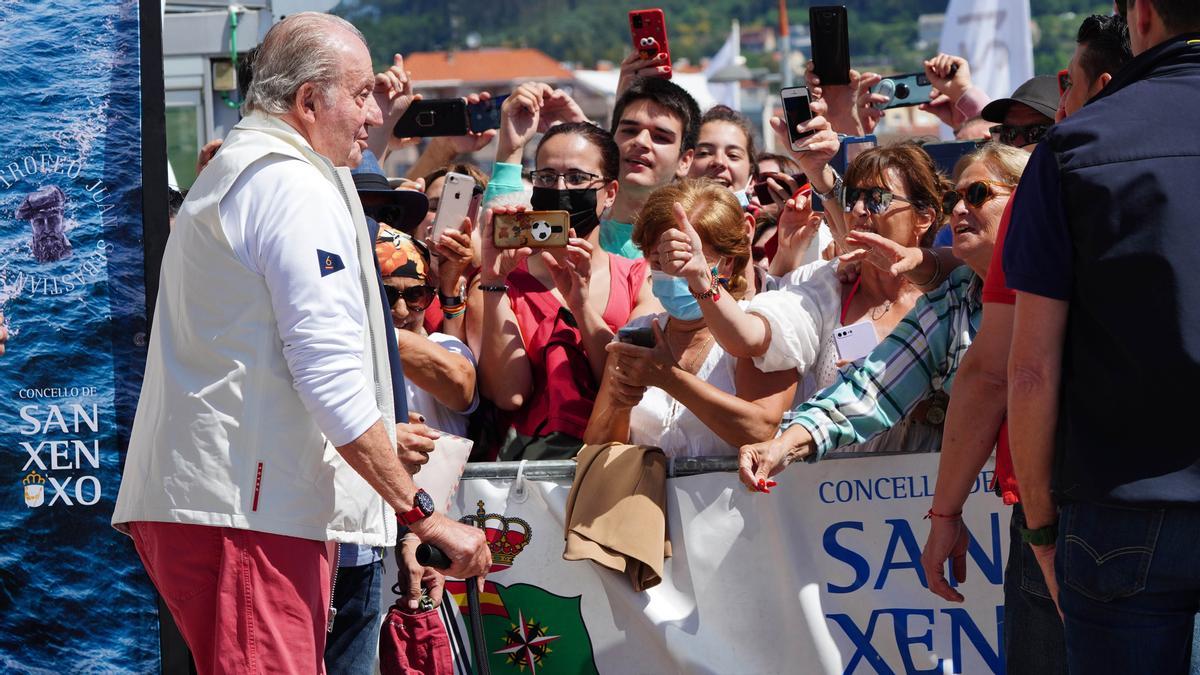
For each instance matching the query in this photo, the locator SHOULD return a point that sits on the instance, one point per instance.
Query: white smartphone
(855, 341)
(458, 191)
(796, 112)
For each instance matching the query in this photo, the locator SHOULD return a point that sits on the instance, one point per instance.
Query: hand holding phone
(485, 114)
(903, 90)
(433, 117)
(454, 204)
(639, 337)
(830, 31)
(648, 28)
(796, 111)
(789, 185)
(535, 229)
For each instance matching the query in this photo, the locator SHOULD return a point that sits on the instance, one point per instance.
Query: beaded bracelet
(454, 313)
(498, 288)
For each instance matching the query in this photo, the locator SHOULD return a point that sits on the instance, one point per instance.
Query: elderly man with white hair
(264, 425)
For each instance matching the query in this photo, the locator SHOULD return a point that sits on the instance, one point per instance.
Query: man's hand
(207, 153)
(465, 545)
(394, 92)
(559, 108)
(418, 576)
(947, 540)
(1045, 558)
(414, 442)
(840, 101)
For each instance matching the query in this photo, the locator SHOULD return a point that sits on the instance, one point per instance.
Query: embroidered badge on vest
(329, 262)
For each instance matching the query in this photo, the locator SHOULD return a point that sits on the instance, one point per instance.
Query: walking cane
(432, 556)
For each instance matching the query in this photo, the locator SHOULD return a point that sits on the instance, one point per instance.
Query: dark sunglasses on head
(1064, 81)
(416, 297)
(876, 200)
(976, 194)
(1009, 134)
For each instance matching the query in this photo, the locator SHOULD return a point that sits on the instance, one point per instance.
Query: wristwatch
(835, 192)
(1042, 536)
(422, 508)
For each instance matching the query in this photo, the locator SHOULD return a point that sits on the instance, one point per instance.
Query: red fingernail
(771, 483)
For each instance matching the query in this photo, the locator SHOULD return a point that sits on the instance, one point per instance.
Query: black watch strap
(1042, 536)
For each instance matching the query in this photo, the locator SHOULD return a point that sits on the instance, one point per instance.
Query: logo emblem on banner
(35, 489)
(527, 629)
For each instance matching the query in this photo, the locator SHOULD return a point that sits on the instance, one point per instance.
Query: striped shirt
(919, 357)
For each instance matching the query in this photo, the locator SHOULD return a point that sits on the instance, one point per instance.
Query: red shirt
(995, 290)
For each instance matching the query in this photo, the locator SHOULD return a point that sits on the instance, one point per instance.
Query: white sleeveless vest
(221, 437)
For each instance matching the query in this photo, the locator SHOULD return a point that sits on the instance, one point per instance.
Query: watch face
(424, 502)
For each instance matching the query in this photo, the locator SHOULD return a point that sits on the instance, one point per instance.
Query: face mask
(674, 295)
(580, 203)
(743, 199)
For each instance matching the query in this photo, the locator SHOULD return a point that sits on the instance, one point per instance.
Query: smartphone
(763, 191)
(537, 229)
(641, 337)
(458, 192)
(485, 114)
(433, 117)
(647, 24)
(796, 112)
(830, 31)
(855, 341)
(903, 90)
(852, 147)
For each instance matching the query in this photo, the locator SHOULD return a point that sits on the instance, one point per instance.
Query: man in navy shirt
(1104, 253)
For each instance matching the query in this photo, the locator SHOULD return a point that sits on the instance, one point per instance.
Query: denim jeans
(353, 644)
(1033, 633)
(1129, 581)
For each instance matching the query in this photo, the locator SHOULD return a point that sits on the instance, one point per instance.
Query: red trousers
(246, 602)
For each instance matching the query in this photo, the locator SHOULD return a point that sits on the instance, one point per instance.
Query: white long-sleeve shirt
(289, 239)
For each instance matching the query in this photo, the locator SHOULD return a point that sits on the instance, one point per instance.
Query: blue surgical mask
(675, 296)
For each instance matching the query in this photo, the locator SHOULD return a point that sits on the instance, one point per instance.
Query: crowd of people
(290, 395)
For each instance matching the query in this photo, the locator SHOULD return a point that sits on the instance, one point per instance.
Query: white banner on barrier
(729, 600)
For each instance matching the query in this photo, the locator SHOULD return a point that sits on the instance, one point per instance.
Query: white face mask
(743, 198)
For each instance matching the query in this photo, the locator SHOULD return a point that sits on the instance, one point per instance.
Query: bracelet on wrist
(937, 267)
(715, 284)
(493, 288)
(948, 516)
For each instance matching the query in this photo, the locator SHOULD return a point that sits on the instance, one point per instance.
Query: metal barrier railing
(564, 469)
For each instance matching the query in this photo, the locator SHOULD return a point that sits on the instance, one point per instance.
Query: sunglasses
(416, 297)
(976, 194)
(1009, 134)
(1064, 81)
(876, 200)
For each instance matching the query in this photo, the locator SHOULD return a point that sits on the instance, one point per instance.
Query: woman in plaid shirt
(922, 354)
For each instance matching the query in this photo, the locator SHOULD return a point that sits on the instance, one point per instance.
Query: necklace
(698, 357)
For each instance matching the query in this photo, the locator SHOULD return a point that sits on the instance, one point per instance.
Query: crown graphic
(504, 541)
(33, 478)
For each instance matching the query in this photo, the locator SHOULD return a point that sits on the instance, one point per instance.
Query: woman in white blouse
(686, 394)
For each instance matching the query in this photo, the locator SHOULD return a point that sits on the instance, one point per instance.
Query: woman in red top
(547, 317)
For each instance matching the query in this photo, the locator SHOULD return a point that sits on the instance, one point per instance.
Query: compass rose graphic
(526, 643)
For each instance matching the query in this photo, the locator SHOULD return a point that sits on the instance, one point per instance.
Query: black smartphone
(641, 337)
(763, 191)
(830, 31)
(433, 117)
(796, 112)
(485, 114)
(946, 155)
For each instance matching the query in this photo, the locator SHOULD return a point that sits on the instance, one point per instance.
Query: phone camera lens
(902, 91)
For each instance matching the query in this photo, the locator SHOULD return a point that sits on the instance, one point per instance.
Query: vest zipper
(362, 277)
(337, 563)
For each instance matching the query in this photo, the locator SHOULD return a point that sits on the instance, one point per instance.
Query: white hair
(303, 48)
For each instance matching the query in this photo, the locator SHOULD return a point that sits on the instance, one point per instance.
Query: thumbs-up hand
(681, 252)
